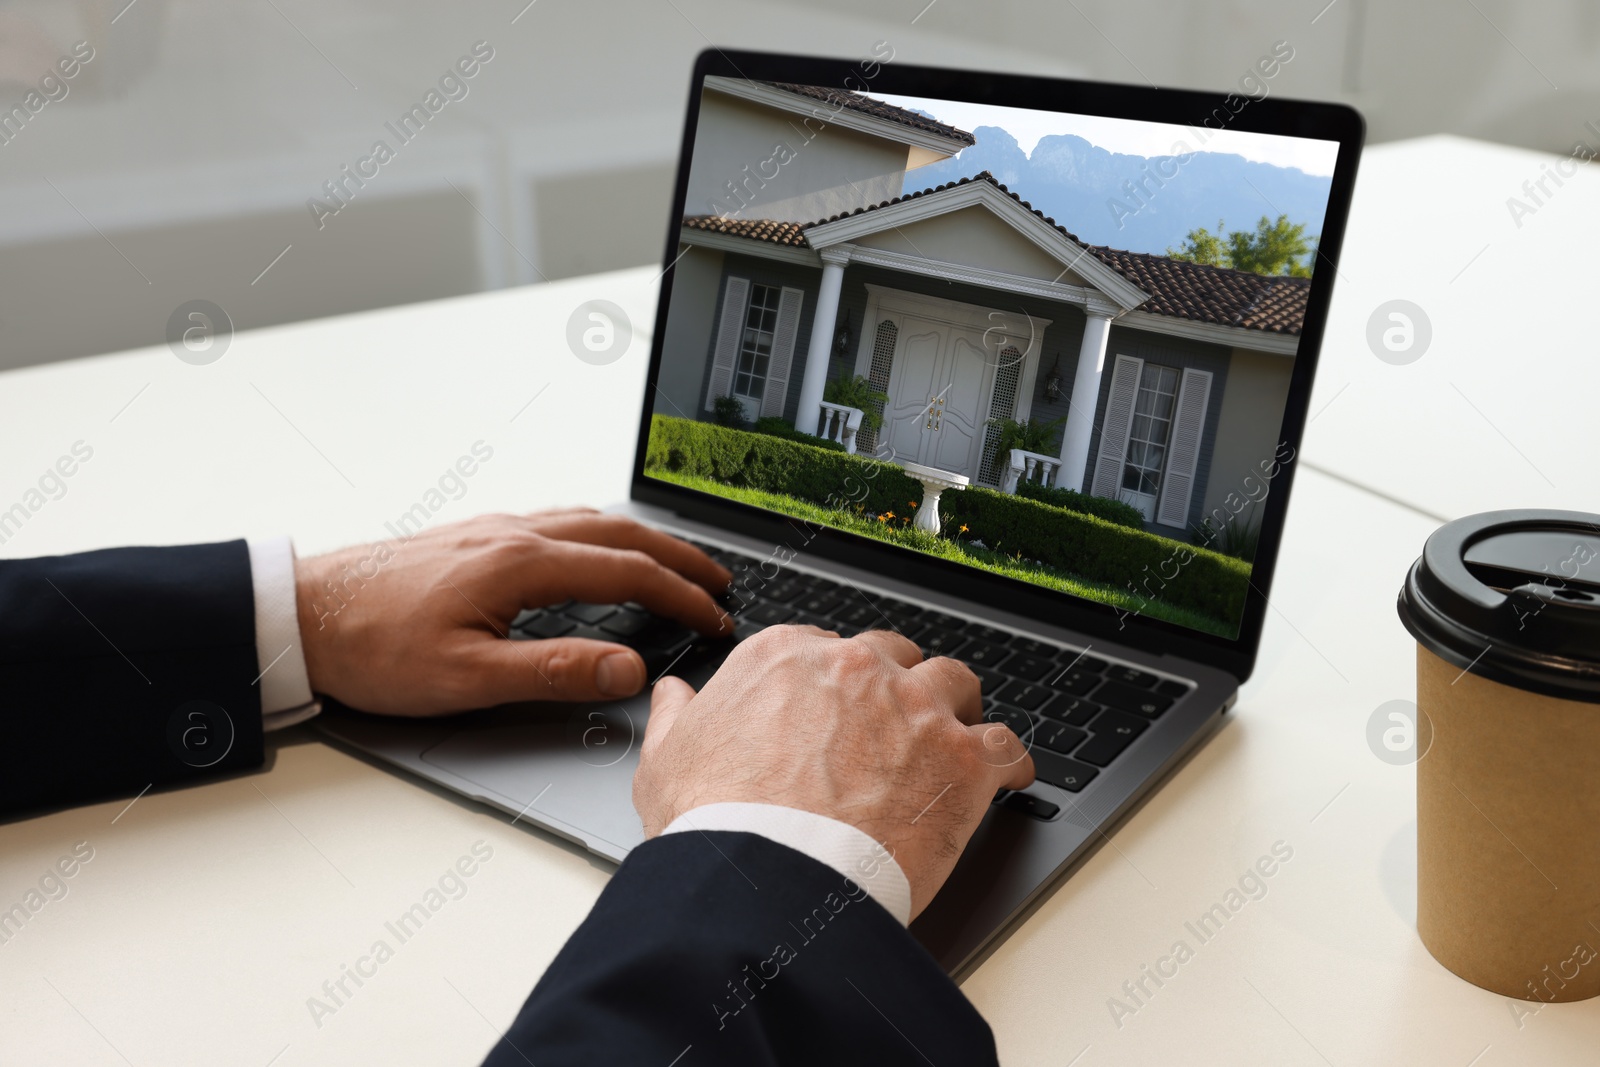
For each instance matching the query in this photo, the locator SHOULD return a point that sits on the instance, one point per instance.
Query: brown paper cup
(1508, 834)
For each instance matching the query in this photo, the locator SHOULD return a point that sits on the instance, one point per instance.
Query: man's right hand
(863, 730)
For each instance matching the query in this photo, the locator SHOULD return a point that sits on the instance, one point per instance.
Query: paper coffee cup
(1505, 608)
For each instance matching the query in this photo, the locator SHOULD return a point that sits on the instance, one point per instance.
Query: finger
(955, 685)
(1003, 754)
(539, 518)
(619, 531)
(561, 668)
(670, 696)
(559, 570)
(897, 647)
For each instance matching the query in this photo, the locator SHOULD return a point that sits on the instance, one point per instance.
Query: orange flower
(913, 503)
(888, 514)
(963, 527)
(883, 518)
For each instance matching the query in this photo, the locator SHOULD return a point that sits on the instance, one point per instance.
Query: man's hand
(419, 627)
(862, 730)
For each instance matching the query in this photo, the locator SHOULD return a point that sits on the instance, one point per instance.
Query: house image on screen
(809, 253)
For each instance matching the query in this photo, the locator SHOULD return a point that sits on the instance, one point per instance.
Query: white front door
(938, 395)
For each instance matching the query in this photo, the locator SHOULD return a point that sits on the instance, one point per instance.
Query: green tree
(1273, 247)
(1202, 246)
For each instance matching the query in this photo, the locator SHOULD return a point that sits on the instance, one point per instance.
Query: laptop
(1015, 366)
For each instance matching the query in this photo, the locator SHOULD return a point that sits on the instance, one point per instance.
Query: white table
(1499, 411)
(208, 916)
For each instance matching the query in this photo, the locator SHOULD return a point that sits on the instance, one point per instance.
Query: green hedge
(776, 427)
(1148, 564)
(1103, 507)
(775, 465)
(1086, 545)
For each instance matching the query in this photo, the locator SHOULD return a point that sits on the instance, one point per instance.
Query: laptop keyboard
(1076, 712)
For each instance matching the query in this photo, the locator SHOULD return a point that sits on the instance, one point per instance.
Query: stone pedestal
(934, 483)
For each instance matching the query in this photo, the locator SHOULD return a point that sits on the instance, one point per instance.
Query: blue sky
(1125, 135)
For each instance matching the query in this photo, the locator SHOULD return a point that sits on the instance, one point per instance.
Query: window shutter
(884, 340)
(1183, 452)
(783, 336)
(725, 353)
(1114, 427)
(1002, 405)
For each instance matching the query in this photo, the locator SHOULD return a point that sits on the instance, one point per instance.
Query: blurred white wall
(176, 164)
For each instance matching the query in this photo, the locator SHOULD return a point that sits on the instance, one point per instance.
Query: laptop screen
(1049, 346)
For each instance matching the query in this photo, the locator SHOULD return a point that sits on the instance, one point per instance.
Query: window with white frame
(1149, 432)
(755, 348)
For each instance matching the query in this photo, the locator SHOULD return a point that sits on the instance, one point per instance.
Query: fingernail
(619, 675)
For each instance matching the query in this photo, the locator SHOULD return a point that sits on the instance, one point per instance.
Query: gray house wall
(1251, 428)
(691, 325)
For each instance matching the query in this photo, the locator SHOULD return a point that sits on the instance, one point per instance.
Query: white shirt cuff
(286, 696)
(841, 846)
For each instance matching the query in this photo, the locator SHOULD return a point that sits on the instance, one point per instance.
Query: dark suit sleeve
(728, 948)
(123, 669)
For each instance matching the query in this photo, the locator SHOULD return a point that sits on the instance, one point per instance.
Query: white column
(1085, 394)
(809, 412)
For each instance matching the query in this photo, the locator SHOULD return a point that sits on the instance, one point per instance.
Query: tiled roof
(866, 105)
(778, 233)
(1274, 303)
(1270, 303)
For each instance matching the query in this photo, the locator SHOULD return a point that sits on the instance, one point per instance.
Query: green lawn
(897, 532)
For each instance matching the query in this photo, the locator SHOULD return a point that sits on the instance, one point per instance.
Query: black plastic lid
(1513, 596)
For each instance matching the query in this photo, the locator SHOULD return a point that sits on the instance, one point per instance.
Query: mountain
(1081, 186)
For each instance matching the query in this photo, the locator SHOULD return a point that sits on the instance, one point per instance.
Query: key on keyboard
(1132, 698)
(541, 624)
(819, 603)
(984, 654)
(1025, 695)
(856, 614)
(1027, 804)
(767, 614)
(1033, 668)
(1075, 681)
(1058, 737)
(1110, 733)
(591, 613)
(1074, 711)
(1062, 772)
(937, 642)
(1133, 676)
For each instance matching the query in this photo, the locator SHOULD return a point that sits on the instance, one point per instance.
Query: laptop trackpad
(569, 767)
